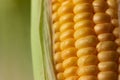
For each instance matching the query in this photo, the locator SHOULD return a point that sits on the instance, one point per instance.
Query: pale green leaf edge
(40, 35)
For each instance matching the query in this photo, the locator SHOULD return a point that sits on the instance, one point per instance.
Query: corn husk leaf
(41, 41)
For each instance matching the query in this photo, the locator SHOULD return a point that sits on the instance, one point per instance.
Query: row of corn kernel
(113, 12)
(67, 41)
(56, 40)
(106, 47)
(85, 40)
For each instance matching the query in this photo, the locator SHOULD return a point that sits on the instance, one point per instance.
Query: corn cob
(106, 47)
(85, 39)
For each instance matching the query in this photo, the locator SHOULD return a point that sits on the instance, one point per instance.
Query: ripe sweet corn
(85, 39)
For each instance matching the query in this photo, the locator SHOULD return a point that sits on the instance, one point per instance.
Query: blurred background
(15, 51)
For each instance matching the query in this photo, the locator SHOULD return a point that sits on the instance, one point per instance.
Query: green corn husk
(41, 41)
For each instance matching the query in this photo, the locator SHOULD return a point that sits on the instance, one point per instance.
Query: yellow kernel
(66, 18)
(56, 36)
(88, 77)
(119, 77)
(118, 50)
(83, 23)
(70, 71)
(83, 16)
(87, 70)
(117, 41)
(70, 62)
(112, 3)
(112, 13)
(65, 9)
(101, 18)
(60, 76)
(56, 46)
(116, 32)
(85, 7)
(69, 52)
(106, 36)
(66, 34)
(59, 67)
(119, 68)
(72, 78)
(86, 51)
(99, 5)
(80, 33)
(57, 57)
(106, 45)
(87, 60)
(107, 66)
(55, 16)
(55, 6)
(107, 56)
(67, 43)
(103, 28)
(66, 26)
(88, 41)
(107, 75)
(56, 26)
(115, 22)
(82, 1)
(66, 2)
